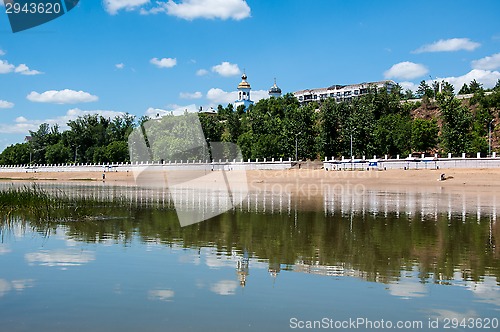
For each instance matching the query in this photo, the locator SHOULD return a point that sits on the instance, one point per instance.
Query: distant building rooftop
(341, 92)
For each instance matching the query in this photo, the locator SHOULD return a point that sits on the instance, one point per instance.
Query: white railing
(411, 162)
(240, 164)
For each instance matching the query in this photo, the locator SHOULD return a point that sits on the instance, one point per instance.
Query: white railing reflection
(409, 202)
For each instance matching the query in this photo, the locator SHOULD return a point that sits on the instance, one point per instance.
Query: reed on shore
(38, 204)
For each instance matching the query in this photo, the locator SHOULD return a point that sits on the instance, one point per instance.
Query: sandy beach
(294, 180)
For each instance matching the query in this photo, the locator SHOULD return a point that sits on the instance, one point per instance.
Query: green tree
(408, 94)
(120, 127)
(457, 121)
(41, 139)
(447, 88)
(361, 125)
(464, 90)
(86, 134)
(332, 120)
(57, 153)
(16, 154)
(475, 86)
(425, 90)
(212, 127)
(117, 152)
(497, 86)
(424, 135)
(391, 134)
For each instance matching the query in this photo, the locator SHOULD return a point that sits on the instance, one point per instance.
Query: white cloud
(486, 77)
(449, 45)
(18, 128)
(4, 249)
(486, 291)
(209, 9)
(408, 288)
(191, 95)
(76, 112)
(6, 67)
(22, 284)
(6, 104)
(164, 62)
(18, 285)
(24, 70)
(120, 65)
(22, 125)
(226, 69)
(449, 314)
(113, 6)
(201, 72)
(224, 287)
(173, 109)
(156, 112)
(219, 96)
(62, 258)
(487, 63)
(409, 86)
(406, 70)
(257, 95)
(4, 287)
(65, 96)
(2, 52)
(162, 294)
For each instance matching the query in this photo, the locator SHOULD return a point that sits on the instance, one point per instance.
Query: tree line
(381, 122)
(90, 138)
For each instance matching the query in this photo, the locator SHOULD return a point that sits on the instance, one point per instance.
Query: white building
(341, 92)
(243, 93)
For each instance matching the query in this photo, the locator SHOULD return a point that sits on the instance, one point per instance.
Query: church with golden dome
(244, 89)
(243, 93)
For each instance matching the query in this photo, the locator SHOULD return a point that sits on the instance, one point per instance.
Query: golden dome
(244, 84)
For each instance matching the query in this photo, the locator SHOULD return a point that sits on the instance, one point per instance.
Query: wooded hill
(379, 123)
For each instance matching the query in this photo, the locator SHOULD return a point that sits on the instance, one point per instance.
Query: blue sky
(145, 57)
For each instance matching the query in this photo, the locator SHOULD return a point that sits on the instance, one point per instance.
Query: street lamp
(352, 157)
(433, 87)
(34, 151)
(297, 146)
(76, 152)
(351, 146)
(489, 136)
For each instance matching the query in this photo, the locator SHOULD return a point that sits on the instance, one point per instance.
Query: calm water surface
(273, 263)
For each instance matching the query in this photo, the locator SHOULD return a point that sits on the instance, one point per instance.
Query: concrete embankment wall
(444, 163)
(124, 167)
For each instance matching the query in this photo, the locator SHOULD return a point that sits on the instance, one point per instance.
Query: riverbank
(293, 180)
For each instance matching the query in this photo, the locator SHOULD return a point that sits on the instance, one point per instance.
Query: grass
(34, 203)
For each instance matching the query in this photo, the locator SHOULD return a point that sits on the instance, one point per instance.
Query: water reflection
(59, 258)
(16, 285)
(430, 253)
(409, 201)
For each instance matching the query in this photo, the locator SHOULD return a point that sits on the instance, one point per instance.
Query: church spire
(275, 91)
(244, 89)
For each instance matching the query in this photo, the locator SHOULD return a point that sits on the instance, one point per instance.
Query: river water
(393, 260)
